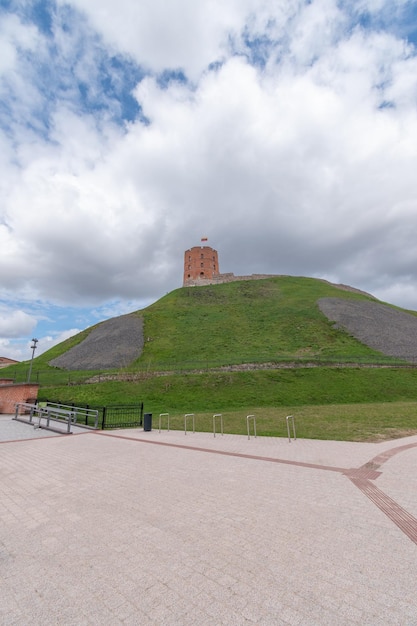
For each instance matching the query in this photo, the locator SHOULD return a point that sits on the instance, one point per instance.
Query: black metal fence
(111, 416)
(122, 416)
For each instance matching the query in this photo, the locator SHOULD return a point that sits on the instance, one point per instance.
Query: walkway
(148, 528)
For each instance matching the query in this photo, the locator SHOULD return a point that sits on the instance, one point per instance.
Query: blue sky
(285, 131)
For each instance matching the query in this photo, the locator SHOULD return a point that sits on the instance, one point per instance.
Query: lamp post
(33, 348)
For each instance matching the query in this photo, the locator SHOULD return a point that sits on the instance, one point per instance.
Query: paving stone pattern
(152, 528)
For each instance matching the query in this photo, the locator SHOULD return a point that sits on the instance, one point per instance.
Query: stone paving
(11, 429)
(143, 528)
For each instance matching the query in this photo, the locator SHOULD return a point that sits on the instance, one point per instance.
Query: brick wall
(200, 263)
(11, 393)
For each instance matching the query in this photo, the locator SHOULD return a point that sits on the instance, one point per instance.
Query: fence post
(103, 421)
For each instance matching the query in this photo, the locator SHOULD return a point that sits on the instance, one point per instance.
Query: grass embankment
(344, 404)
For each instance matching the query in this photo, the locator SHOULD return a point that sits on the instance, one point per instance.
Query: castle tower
(200, 263)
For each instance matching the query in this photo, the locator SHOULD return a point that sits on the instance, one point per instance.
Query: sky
(284, 131)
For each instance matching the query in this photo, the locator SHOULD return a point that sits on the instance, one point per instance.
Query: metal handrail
(63, 413)
(78, 412)
(251, 417)
(161, 415)
(288, 418)
(214, 423)
(47, 413)
(185, 422)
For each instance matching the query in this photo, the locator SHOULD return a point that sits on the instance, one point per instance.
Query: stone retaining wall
(225, 278)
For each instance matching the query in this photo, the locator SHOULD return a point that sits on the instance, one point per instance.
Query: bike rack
(214, 423)
(185, 422)
(251, 417)
(161, 415)
(288, 418)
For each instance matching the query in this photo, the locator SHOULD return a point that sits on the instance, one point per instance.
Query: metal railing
(109, 417)
(187, 415)
(290, 418)
(161, 415)
(122, 416)
(82, 415)
(214, 423)
(248, 418)
(41, 416)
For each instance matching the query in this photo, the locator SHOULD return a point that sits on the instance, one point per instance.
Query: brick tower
(201, 263)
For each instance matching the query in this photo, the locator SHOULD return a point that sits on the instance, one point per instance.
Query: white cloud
(14, 36)
(49, 341)
(15, 324)
(160, 35)
(304, 156)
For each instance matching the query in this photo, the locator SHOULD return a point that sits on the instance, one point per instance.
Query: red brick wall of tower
(200, 262)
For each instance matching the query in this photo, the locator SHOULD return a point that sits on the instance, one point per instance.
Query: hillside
(270, 320)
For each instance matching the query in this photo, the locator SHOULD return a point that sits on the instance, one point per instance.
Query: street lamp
(33, 348)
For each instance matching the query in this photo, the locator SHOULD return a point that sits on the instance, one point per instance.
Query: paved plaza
(147, 528)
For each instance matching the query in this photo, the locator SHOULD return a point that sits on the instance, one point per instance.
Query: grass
(247, 321)
(355, 404)
(274, 320)
(353, 422)
(261, 388)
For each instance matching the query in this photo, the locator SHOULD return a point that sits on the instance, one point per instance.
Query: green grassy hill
(259, 321)
(247, 321)
(192, 332)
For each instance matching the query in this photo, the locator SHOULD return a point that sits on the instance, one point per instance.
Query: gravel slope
(113, 343)
(392, 332)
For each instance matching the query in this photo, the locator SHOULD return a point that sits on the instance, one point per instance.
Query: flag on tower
(203, 238)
